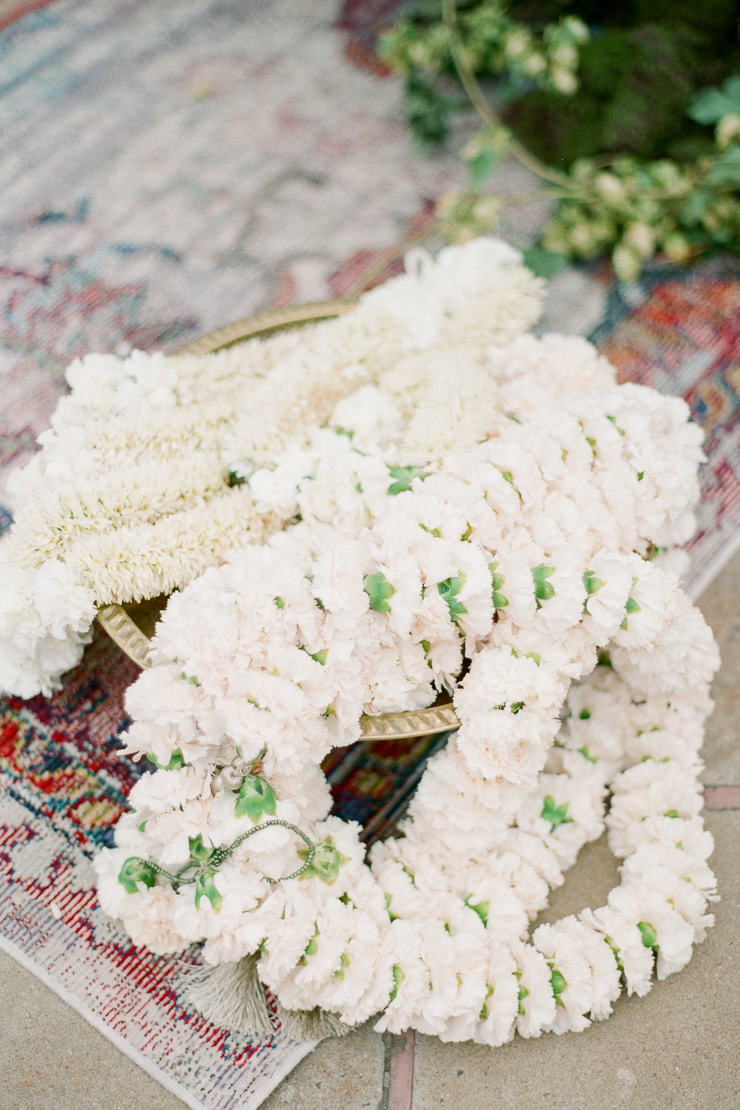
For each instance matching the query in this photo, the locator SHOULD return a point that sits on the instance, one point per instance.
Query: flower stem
(480, 102)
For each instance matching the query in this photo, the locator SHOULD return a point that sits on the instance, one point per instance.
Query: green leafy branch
(632, 208)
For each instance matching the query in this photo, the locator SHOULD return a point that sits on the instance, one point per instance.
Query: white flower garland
(131, 494)
(525, 550)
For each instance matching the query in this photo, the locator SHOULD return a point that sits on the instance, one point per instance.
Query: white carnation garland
(133, 493)
(527, 554)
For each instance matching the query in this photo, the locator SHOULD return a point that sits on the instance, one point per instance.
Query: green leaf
(404, 476)
(176, 761)
(427, 111)
(199, 852)
(632, 606)
(693, 208)
(234, 478)
(255, 798)
(481, 908)
(448, 590)
(523, 992)
(398, 977)
(312, 947)
(708, 106)
(725, 169)
(378, 589)
(558, 982)
(205, 887)
(648, 934)
(482, 166)
(326, 861)
(591, 582)
(320, 656)
(543, 590)
(280, 602)
(136, 871)
(432, 531)
(497, 581)
(585, 753)
(544, 263)
(556, 815)
(484, 1008)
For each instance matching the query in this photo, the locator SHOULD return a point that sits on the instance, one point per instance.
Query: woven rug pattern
(167, 168)
(681, 334)
(63, 786)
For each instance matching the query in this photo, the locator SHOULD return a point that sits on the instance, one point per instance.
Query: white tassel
(231, 996)
(312, 1025)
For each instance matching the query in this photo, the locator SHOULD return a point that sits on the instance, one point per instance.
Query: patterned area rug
(63, 786)
(681, 334)
(168, 168)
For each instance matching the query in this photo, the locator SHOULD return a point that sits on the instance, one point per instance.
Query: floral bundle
(133, 493)
(446, 505)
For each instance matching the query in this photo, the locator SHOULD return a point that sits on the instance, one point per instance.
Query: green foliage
(418, 47)
(637, 209)
(378, 589)
(648, 934)
(136, 871)
(403, 477)
(500, 601)
(448, 591)
(428, 110)
(644, 176)
(327, 860)
(710, 105)
(556, 814)
(634, 87)
(543, 590)
(544, 263)
(205, 887)
(255, 799)
(175, 761)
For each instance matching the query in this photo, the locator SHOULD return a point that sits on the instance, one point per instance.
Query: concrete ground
(677, 1048)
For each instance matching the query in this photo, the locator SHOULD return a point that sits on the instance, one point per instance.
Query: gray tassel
(230, 995)
(311, 1025)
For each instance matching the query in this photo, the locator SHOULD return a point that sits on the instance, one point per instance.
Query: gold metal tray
(132, 626)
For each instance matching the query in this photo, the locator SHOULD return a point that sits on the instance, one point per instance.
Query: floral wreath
(456, 508)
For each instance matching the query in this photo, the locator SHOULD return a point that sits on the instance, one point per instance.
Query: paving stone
(52, 1059)
(720, 604)
(345, 1073)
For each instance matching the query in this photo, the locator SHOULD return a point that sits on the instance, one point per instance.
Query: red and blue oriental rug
(166, 168)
